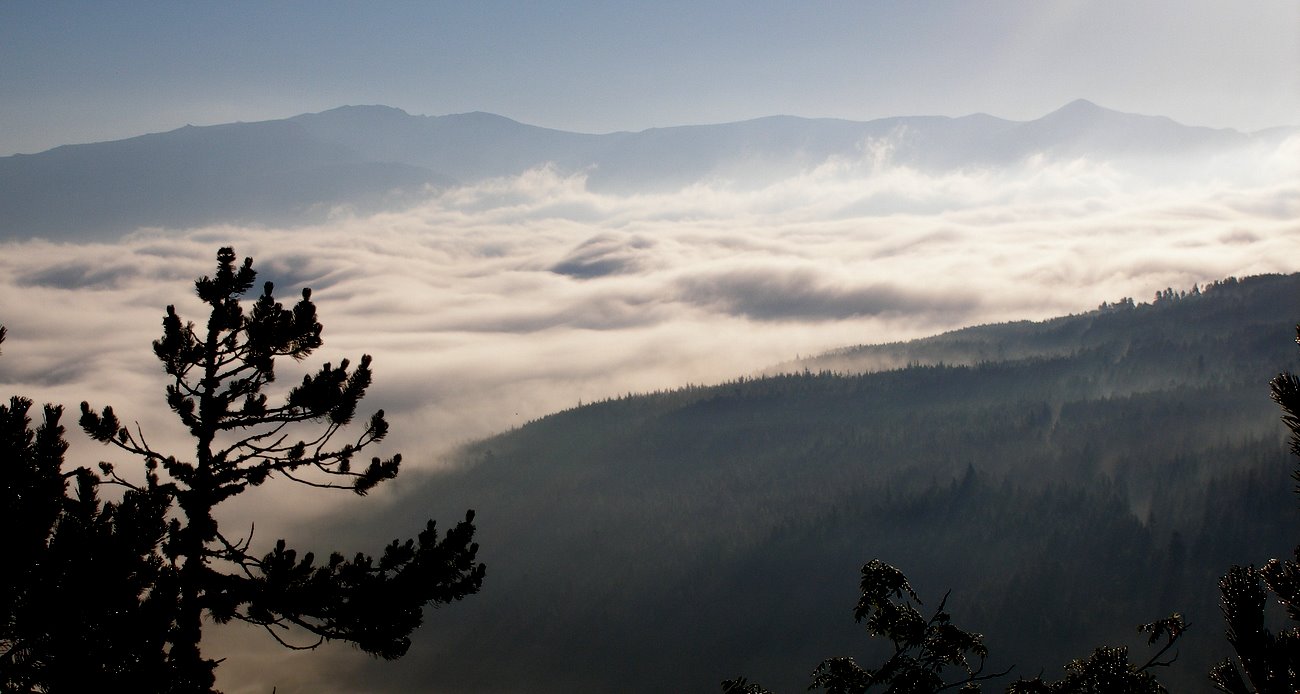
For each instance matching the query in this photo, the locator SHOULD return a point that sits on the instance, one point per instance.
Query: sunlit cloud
(488, 305)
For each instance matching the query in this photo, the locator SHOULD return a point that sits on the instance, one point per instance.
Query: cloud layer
(490, 305)
(536, 292)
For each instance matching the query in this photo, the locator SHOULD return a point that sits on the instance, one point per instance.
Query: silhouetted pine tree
(218, 373)
(86, 600)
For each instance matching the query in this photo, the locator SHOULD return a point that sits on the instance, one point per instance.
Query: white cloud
(489, 305)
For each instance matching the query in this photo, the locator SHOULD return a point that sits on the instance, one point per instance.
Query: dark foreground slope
(1103, 474)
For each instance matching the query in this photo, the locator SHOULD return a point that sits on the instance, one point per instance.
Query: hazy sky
(469, 300)
(88, 71)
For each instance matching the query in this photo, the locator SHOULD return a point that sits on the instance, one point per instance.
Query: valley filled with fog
(492, 302)
(682, 317)
(488, 304)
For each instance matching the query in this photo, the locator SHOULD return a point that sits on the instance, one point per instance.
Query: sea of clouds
(489, 305)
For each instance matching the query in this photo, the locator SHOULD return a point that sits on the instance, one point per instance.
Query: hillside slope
(1067, 479)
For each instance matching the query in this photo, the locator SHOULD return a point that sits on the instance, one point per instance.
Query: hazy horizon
(492, 302)
(616, 130)
(87, 72)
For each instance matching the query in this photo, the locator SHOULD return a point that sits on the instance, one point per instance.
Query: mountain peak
(1080, 106)
(1079, 110)
(368, 108)
(357, 113)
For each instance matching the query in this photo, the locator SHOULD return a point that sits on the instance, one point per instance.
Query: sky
(462, 297)
(74, 72)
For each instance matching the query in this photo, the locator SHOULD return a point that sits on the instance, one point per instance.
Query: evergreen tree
(218, 374)
(86, 600)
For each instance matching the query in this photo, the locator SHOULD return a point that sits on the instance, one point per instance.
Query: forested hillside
(1068, 479)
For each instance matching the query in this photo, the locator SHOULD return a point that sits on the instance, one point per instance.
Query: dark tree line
(1111, 487)
(118, 592)
(86, 597)
(932, 654)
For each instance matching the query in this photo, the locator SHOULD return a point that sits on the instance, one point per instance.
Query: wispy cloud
(488, 305)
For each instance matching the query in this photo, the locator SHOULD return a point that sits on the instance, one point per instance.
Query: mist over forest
(1102, 472)
(692, 378)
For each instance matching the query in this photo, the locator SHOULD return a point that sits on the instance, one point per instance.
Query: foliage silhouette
(86, 599)
(923, 648)
(1108, 668)
(1264, 662)
(218, 375)
(933, 655)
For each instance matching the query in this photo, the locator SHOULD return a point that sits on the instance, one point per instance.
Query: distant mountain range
(296, 170)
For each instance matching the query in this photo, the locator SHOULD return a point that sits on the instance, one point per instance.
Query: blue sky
(86, 71)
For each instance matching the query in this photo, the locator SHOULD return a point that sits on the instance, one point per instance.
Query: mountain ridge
(293, 171)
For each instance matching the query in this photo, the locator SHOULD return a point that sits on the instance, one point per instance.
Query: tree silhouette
(1264, 662)
(923, 648)
(1108, 670)
(218, 375)
(927, 651)
(933, 655)
(86, 599)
